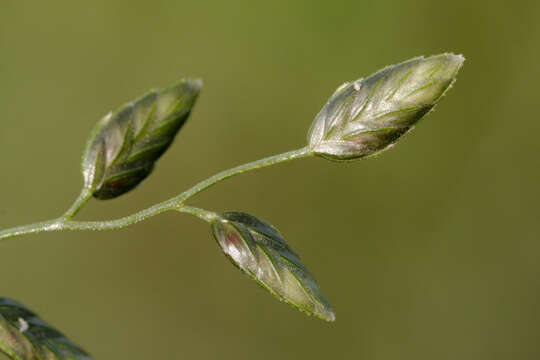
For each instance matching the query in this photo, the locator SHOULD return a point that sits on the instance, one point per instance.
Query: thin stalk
(62, 223)
(254, 165)
(176, 203)
(83, 198)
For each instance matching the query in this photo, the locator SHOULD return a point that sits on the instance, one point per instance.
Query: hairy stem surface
(176, 203)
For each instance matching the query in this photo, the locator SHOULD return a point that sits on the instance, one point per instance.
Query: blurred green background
(429, 251)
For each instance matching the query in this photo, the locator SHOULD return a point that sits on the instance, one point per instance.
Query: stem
(254, 165)
(176, 203)
(51, 225)
(83, 198)
(64, 224)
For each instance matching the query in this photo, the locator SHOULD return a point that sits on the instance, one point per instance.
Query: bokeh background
(429, 251)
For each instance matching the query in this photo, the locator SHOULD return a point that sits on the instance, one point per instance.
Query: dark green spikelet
(258, 249)
(126, 143)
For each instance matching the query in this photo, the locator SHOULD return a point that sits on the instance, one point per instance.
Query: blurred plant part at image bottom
(24, 336)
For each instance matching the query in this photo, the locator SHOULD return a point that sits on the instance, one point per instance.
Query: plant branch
(176, 203)
(254, 165)
(62, 223)
(78, 204)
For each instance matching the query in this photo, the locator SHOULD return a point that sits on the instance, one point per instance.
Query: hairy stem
(254, 165)
(62, 223)
(78, 204)
(176, 203)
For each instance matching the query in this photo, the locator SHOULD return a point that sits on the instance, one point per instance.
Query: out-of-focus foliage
(24, 336)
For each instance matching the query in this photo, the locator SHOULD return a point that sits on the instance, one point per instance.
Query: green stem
(254, 165)
(83, 198)
(62, 223)
(176, 203)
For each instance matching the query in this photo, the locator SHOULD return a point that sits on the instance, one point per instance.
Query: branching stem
(176, 203)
